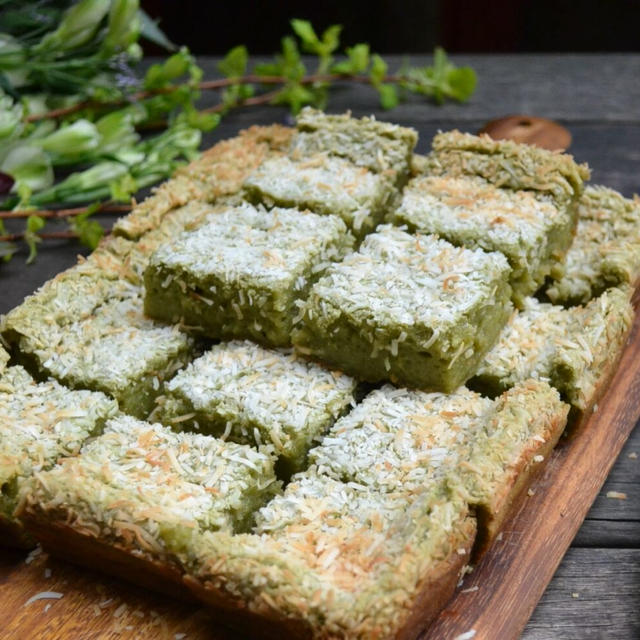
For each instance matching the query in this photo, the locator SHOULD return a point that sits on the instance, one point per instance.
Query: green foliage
(442, 80)
(357, 60)
(89, 231)
(31, 237)
(78, 56)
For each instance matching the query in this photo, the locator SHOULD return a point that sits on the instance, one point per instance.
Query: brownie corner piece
(509, 164)
(240, 273)
(39, 424)
(606, 249)
(377, 145)
(412, 309)
(144, 489)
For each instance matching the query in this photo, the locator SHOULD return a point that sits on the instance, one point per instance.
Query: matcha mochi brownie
(336, 560)
(323, 184)
(576, 349)
(240, 273)
(144, 489)
(528, 228)
(412, 309)
(40, 423)
(249, 394)
(606, 250)
(509, 165)
(366, 142)
(400, 440)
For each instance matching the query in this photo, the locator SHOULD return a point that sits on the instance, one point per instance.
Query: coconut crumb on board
(575, 594)
(470, 589)
(616, 495)
(633, 455)
(44, 595)
(467, 635)
(32, 555)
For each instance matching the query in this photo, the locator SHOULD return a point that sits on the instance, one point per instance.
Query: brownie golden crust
(344, 562)
(253, 395)
(40, 423)
(407, 308)
(528, 228)
(606, 250)
(240, 274)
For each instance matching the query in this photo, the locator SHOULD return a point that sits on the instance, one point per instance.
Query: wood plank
(621, 534)
(514, 573)
(575, 609)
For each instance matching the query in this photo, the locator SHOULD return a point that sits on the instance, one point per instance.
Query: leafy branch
(95, 109)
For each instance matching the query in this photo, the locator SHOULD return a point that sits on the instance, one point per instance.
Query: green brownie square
(605, 251)
(398, 439)
(576, 349)
(529, 229)
(509, 165)
(324, 184)
(115, 349)
(239, 274)
(407, 308)
(40, 423)
(338, 560)
(143, 486)
(253, 395)
(366, 142)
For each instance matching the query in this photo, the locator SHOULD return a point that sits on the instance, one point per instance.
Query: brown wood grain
(510, 578)
(498, 597)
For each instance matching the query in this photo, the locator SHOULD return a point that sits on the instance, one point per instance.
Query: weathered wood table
(595, 592)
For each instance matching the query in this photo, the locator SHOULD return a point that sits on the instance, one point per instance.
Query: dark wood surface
(596, 590)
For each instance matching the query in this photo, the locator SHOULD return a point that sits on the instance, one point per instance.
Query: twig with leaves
(94, 109)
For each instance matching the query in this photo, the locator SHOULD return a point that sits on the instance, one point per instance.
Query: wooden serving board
(494, 601)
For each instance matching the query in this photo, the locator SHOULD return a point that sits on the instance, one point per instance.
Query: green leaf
(150, 30)
(234, 64)
(7, 249)
(295, 96)
(306, 33)
(388, 96)
(268, 69)
(462, 83)
(123, 188)
(331, 39)
(174, 67)
(89, 231)
(378, 69)
(31, 237)
(358, 60)
(77, 27)
(292, 65)
(71, 140)
(29, 166)
(123, 27)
